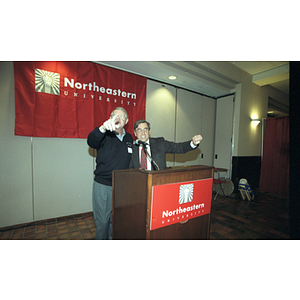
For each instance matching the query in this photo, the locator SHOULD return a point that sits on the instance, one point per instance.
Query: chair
(222, 184)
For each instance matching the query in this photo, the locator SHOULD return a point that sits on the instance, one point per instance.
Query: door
(223, 134)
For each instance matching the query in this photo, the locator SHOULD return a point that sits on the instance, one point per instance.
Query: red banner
(178, 202)
(70, 99)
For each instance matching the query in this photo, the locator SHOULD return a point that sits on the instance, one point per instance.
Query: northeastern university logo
(186, 193)
(47, 82)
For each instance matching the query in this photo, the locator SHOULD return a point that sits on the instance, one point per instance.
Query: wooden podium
(133, 202)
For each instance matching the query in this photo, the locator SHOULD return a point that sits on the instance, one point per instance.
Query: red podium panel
(168, 204)
(179, 202)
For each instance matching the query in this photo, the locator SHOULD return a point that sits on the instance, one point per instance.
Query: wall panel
(208, 131)
(188, 124)
(224, 133)
(15, 158)
(63, 177)
(195, 115)
(160, 112)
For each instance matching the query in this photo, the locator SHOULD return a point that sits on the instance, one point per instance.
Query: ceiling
(276, 75)
(279, 81)
(214, 79)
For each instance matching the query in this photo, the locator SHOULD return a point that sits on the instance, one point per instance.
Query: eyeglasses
(122, 117)
(139, 130)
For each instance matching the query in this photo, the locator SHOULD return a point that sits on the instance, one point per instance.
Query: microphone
(144, 145)
(140, 143)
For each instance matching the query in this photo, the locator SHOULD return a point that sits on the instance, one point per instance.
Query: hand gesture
(197, 139)
(109, 124)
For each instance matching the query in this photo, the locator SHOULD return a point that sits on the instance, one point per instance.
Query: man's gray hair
(121, 109)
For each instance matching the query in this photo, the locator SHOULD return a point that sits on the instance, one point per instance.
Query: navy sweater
(112, 154)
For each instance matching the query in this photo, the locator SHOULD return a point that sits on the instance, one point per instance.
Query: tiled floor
(264, 218)
(77, 227)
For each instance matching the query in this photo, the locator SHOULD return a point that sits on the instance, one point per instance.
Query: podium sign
(178, 202)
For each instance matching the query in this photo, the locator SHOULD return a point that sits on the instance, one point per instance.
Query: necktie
(143, 160)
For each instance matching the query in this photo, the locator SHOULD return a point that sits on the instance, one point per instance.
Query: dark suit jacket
(159, 147)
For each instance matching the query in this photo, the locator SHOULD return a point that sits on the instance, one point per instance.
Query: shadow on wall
(92, 152)
(183, 158)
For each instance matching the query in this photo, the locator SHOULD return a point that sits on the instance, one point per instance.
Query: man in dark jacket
(155, 148)
(114, 150)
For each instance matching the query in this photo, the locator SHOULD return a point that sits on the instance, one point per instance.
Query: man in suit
(156, 148)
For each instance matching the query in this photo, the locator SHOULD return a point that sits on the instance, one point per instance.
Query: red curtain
(274, 175)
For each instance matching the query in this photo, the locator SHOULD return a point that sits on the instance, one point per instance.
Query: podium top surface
(172, 169)
(221, 170)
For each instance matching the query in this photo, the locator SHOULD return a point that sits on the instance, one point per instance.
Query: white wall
(223, 134)
(251, 101)
(62, 177)
(39, 178)
(15, 158)
(160, 112)
(195, 114)
(178, 115)
(161, 109)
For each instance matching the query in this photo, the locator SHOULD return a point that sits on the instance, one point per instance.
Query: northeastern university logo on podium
(186, 193)
(178, 202)
(47, 82)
